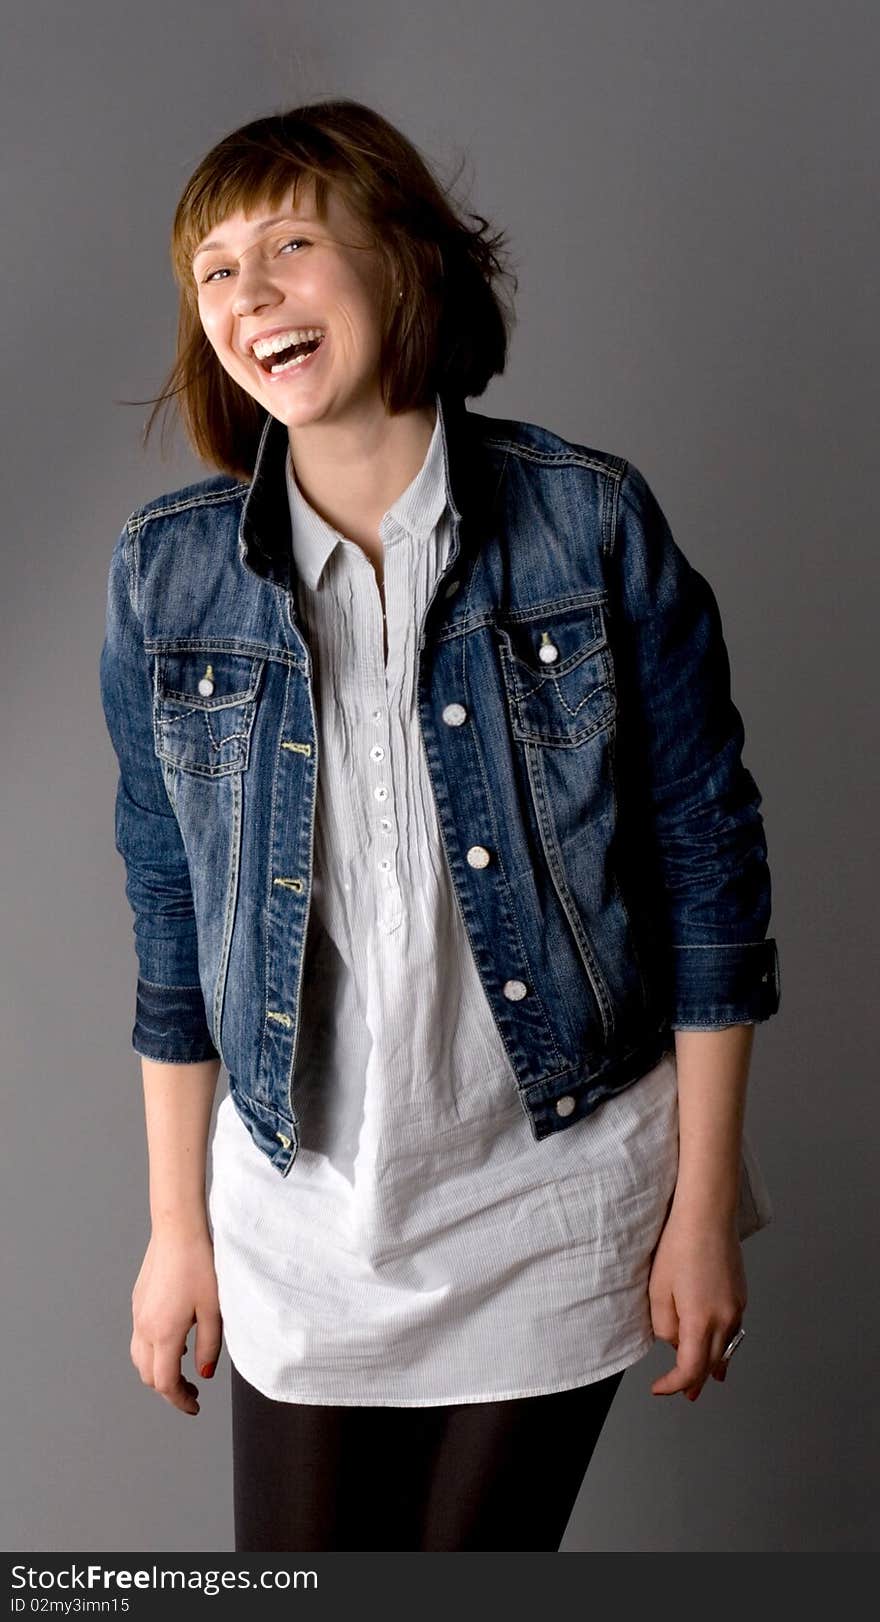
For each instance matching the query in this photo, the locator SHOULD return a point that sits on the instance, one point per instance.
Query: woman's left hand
(697, 1291)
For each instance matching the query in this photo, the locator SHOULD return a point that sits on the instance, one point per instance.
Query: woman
(485, 983)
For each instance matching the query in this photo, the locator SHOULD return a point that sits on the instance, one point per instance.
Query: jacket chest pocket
(204, 707)
(558, 674)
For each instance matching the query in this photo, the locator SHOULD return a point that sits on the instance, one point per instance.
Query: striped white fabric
(424, 1248)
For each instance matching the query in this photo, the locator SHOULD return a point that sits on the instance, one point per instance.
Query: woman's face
(287, 274)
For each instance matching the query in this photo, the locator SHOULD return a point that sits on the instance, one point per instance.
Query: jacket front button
(454, 714)
(515, 989)
(478, 856)
(564, 1106)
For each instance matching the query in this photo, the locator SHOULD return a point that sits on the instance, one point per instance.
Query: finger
(722, 1339)
(712, 1344)
(209, 1339)
(170, 1383)
(141, 1354)
(667, 1332)
(691, 1365)
(719, 1370)
(664, 1320)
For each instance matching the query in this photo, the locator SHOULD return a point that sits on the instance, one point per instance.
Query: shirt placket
(382, 700)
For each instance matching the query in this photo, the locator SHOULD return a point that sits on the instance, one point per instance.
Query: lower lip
(292, 371)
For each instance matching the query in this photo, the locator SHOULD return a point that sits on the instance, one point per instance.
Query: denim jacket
(601, 833)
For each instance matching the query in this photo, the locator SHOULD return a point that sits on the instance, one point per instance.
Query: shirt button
(384, 865)
(385, 822)
(515, 989)
(548, 652)
(564, 1106)
(380, 792)
(454, 714)
(478, 856)
(377, 715)
(377, 752)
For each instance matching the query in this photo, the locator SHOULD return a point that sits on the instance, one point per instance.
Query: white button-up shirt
(425, 1248)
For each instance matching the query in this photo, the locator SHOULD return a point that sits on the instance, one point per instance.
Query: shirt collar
(415, 512)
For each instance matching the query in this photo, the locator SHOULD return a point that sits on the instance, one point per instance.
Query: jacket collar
(264, 530)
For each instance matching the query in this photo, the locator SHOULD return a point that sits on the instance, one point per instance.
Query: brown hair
(451, 330)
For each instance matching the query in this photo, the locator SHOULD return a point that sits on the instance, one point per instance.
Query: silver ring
(731, 1346)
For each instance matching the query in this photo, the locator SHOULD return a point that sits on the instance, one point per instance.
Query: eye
(223, 271)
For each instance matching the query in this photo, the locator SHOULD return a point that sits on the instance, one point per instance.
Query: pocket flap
(208, 679)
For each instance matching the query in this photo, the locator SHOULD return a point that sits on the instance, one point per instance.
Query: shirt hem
(312, 1399)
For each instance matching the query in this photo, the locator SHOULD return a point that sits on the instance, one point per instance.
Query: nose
(254, 289)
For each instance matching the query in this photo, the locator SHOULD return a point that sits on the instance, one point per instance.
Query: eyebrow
(262, 226)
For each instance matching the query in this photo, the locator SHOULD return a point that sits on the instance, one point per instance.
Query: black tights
(472, 1475)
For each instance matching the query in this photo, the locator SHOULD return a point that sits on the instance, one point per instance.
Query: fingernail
(207, 1370)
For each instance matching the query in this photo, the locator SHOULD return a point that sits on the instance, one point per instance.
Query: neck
(352, 471)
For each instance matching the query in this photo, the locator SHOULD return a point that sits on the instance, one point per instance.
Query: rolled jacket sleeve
(682, 738)
(170, 1023)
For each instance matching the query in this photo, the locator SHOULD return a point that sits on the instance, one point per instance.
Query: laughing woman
(438, 836)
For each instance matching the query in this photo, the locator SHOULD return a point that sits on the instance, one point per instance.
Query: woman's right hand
(176, 1288)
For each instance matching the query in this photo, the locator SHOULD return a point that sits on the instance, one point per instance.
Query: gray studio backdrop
(688, 188)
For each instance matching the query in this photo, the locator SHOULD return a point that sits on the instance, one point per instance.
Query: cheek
(220, 344)
(213, 326)
(361, 328)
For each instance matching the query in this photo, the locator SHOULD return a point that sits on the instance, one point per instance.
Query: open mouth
(282, 360)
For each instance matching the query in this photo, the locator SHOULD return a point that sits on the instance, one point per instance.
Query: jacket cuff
(170, 1025)
(724, 985)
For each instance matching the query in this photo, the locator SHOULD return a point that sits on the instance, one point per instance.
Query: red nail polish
(207, 1370)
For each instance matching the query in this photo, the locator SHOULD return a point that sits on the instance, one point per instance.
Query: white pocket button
(478, 856)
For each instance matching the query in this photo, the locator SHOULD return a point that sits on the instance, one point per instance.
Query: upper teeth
(283, 340)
